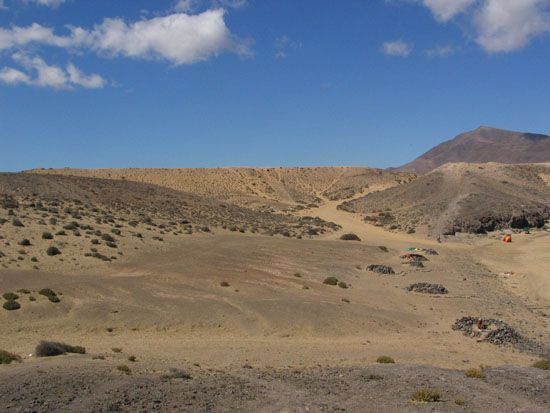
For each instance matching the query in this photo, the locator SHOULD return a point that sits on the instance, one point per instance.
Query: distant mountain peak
(485, 144)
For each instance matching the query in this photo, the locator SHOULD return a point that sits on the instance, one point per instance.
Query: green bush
(10, 296)
(542, 364)
(342, 284)
(52, 348)
(8, 358)
(350, 237)
(475, 373)
(53, 251)
(385, 360)
(331, 281)
(426, 396)
(11, 305)
(124, 369)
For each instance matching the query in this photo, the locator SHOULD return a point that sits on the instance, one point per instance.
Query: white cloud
(497, 25)
(3, 5)
(76, 77)
(507, 25)
(47, 3)
(178, 38)
(13, 76)
(397, 48)
(283, 44)
(441, 51)
(444, 10)
(43, 75)
(185, 6)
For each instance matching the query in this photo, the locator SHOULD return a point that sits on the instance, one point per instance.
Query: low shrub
(331, 281)
(124, 369)
(426, 396)
(475, 373)
(177, 374)
(25, 243)
(53, 251)
(385, 360)
(10, 296)
(225, 284)
(52, 348)
(132, 359)
(11, 305)
(47, 235)
(350, 237)
(23, 291)
(116, 350)
(542, 364)
(8, 358)
(342, 284)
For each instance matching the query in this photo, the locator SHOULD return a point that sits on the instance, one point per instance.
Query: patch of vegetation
(53, 348)
(11, 305)
(383, 248)
(331, 281)
(350, 237)
(116, 350)
(23, 291)
(52, 296)
(385, 360)
(47, 235)
(132, 359)
(460, 402)
(225, 284)
(342, 284)
(123, 368)
(426, 396)
(297, 275)
(10, 296)
(8, 358)
(475, 373)
(25, 242)
(177, 374)
(53, 251)
(542, 364)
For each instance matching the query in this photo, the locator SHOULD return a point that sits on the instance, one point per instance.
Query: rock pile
(427, 288)
(381, 269)
(499, 333)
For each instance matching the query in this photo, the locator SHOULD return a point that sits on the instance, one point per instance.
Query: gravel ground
(80, 384)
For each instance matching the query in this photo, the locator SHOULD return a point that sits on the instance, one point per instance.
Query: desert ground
(212, 295)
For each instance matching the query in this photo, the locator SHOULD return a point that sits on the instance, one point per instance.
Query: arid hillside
(485, 144)
(87, 218)
(463, 198)
(279, 188)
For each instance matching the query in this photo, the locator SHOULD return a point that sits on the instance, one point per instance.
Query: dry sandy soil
(248, 315)
(462, 197)
(273, 188)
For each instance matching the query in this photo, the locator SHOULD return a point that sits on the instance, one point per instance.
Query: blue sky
(192, 83)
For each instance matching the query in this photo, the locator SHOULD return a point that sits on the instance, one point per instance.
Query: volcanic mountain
(485, 144)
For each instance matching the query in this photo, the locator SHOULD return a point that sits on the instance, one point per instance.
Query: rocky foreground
(80, 383)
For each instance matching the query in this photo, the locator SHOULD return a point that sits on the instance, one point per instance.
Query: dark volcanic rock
(427, 288)
(381, 269)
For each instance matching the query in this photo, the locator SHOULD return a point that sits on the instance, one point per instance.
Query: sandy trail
(528, 257)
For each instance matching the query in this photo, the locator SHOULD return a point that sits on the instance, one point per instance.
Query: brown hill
(463, 198)
(482, 145)
(279, 188)
(89, 218)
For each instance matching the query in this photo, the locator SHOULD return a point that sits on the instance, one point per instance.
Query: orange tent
(507, 238)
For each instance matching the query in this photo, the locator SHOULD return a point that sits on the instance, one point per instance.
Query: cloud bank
(498, 26)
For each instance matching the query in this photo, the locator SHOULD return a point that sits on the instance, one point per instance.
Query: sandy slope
(167, 307)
